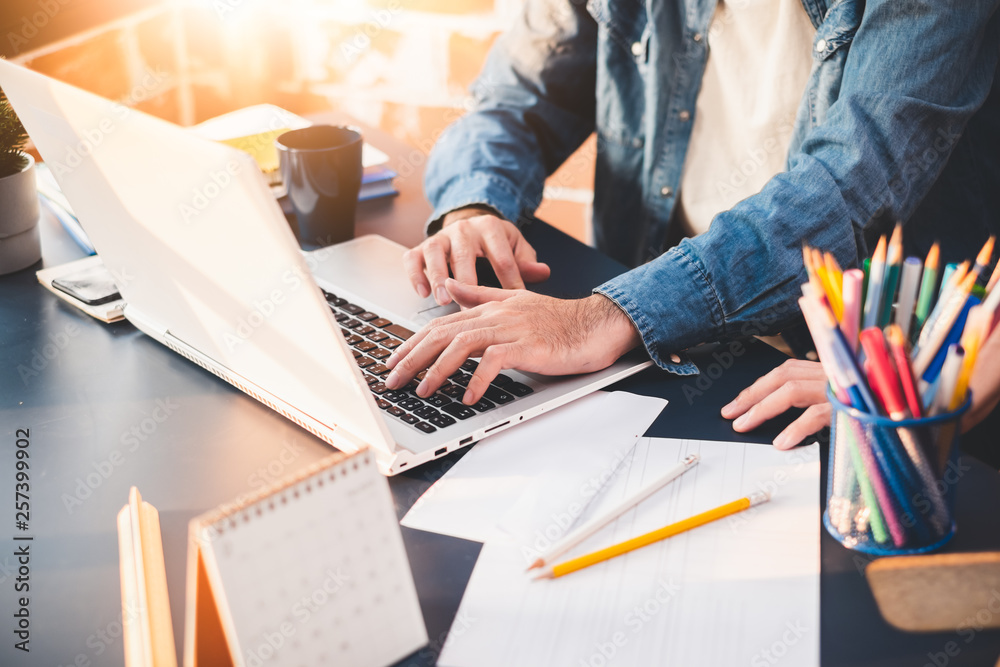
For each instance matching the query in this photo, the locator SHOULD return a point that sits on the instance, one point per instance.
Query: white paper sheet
(740, 591)
(554, 463)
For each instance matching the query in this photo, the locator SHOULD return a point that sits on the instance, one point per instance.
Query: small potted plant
(20, 246)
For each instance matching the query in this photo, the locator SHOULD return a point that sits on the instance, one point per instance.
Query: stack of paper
(741, 591)
(560, 460)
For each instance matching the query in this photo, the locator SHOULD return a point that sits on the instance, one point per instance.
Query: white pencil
(912, 268)
(598, 522)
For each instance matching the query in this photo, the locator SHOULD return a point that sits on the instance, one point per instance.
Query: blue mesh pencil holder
(891, 484)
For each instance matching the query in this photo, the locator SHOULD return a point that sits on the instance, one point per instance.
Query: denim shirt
(899, 121)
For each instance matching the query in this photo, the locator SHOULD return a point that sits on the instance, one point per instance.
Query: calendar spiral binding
(241, 509)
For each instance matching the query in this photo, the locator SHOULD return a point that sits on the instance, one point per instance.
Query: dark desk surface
(88, 391)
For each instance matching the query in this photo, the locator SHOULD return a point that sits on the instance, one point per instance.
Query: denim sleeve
(533, 105)
(917, 70)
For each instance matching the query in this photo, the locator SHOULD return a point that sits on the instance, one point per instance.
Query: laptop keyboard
(373, 339)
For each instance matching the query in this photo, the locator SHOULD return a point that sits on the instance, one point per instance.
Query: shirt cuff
(476, 189)
(671, 304)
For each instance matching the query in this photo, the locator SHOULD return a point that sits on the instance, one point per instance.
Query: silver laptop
(208, 266)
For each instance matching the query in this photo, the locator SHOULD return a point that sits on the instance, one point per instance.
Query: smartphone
(93, 286)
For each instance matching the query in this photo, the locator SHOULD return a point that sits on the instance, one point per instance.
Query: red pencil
(897, 344)
(882, 374)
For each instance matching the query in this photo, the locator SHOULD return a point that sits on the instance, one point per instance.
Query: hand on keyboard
(372, 338)
(512, 329)
(467, 234)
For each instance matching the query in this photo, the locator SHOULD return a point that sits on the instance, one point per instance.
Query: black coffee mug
(321, 169)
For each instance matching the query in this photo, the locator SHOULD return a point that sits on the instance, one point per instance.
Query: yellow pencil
(755, 498)
(976, 330)
(831, 290)
(833, 268)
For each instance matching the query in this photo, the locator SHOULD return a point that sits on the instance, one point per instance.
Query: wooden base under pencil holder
(891, 486)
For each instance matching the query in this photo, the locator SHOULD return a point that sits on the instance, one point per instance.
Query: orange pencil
(807, 261)
(984, 256)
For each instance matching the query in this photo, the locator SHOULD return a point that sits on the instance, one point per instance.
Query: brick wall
(403, 65)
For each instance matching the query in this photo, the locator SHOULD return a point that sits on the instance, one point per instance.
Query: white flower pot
(20, 245)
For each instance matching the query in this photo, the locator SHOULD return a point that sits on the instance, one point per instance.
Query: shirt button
(665, 191)
(697, 37)
(637, 143)
(637, 48)
(821, 46)
(685, 115)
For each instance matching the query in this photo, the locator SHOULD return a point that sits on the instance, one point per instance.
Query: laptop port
(443, 450)
(493, 428)
(465, 441)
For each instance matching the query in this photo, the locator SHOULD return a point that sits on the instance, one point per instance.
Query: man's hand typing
(513, 329)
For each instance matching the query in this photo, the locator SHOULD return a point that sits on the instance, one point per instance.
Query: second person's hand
(465, 235)
(793, 384)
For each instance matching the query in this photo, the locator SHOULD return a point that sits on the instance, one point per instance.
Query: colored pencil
(876, 278)
(948, 285)
(985, 256)
(976, 330)
(830, 287)
(994, 278)
(866, 267)
(928, 286)
(949, 380)
(849, 386)
(949, 271)
(885, 378)
(562, 569)
(992, 300)
(908, 287)
(942, 325)
(897, 344)
(833, 268)
(947, 391)
(953, 337)
(807, 261)
(590, 527)
(894, 263)
(850, 323)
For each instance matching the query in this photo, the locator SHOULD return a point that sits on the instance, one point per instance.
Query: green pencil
(894, 263)
(928, 287)
(866, 266)
(948, 270)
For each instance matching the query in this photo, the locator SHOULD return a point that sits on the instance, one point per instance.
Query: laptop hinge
(145, 324)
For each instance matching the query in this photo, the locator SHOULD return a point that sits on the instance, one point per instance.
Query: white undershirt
(758, 66)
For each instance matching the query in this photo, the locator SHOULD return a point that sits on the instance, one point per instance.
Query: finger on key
(436, 261)
(495, 359)
(463, 258)
(501, 256)
(413, 263)
(465, 344)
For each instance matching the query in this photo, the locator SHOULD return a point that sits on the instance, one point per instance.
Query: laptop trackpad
(371, 267)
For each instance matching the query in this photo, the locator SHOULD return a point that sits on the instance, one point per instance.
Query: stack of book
(252, 130)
